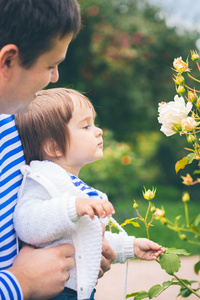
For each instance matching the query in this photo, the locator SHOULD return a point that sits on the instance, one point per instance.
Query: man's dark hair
(32, 25)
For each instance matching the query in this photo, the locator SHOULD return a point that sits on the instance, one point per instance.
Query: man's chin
(13, 109)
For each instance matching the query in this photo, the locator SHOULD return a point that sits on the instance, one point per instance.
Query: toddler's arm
(146, 249)
(92, 207)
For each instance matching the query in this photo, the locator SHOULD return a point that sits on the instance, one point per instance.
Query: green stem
(147, 229)
(193, 77)
(186, 214)
(187, 287)
(147, 211)
(193, 242)
(166, 287)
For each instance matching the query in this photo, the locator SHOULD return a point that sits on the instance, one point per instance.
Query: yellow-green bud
(191, 138)
(183, 237)
(192, 96)
(198, 102)
(135, 205)
(153, 209)
(181, 90)
(185, 197)
(179, 79)
(163, 220)
(194, 56)
(148, 194)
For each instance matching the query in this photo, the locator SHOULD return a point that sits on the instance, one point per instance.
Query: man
(34, 37)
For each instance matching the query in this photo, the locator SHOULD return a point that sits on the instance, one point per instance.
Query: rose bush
(179, 116)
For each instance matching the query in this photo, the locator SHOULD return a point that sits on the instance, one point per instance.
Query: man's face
(24, 83)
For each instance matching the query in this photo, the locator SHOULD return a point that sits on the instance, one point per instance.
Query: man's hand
(108, 255)
(146, 249)
(42, 273)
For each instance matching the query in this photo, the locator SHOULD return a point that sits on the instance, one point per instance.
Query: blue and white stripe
(9, 288)
(11, 159)
(90, 191)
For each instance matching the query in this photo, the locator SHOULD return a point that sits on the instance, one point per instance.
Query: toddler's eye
(86, 127)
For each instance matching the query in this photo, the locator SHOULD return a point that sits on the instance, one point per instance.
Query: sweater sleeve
(9, 286)
(40, 219)
(122, 244)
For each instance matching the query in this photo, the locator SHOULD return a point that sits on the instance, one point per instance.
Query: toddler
(60, 125)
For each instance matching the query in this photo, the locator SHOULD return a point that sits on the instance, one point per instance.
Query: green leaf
(170, 262)
(197, 267)
(141, 295)
(155, 290)
(190, 157)
(196, 172)
(184, 292)
(138, 295)
(135, 224)
(131, 295)
(195, 221)
(129, 221)
(167, 283)
(178, 217)
(195, 230)
(177, 251)
(181, 164)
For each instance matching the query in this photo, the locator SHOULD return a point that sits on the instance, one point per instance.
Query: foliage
(181, 117)
(169, 260)
(120, 59)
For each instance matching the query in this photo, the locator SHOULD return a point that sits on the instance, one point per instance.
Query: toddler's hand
(146, 249)
(93, 207)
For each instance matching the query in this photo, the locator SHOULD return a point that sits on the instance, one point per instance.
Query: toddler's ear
(51, 148)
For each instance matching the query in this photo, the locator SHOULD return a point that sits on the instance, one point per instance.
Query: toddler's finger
(108, 208)
(90, 212)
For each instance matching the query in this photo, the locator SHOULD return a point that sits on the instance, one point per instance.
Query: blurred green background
(122, 60)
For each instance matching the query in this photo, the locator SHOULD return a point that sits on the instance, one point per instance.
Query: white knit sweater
(45, 216)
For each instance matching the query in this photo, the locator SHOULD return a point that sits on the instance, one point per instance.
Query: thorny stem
(185, 285)
(151, 220)
(193, 78)
(189, 88)
(191, 132)
(145, 220)
(166, 287)
(139, 215)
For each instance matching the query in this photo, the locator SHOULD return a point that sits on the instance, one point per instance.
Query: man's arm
(42, 273)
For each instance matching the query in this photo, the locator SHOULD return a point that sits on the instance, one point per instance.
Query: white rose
(167, 130)
(172, 113)
(188, 124)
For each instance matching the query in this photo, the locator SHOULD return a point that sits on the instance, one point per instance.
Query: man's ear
(51, 148)
(9, 55)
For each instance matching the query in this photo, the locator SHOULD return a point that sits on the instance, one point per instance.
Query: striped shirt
(90, 191)
(11, 159)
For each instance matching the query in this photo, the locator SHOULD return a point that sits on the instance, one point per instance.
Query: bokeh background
(122, 60)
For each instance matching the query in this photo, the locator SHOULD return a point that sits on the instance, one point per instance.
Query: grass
(159, 232)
